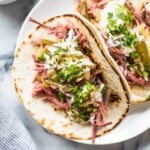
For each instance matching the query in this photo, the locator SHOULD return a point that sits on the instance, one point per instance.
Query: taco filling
(126, 33)
(69, 78)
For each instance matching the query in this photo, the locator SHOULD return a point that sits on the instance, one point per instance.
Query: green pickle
(144, 50)
(84, 10)
(46, 42)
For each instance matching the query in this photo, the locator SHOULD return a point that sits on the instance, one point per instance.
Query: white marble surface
(11, 18)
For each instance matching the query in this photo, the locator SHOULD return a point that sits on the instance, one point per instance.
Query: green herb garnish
(80, 113)
(84, 115)
(89, 86)
(82, 94)
(135, 55)
(58, 51)
(74, 88)
(115, 28)
(110, 15)
(67, 74)
(124, 13)
(130, 40)
(41, 58)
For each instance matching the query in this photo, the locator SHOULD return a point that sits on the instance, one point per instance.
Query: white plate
(2, 2)
(138, 119)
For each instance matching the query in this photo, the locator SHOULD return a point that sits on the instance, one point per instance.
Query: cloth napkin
(13, 134)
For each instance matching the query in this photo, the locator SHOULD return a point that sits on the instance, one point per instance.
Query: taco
(124, 29)
(64, 81)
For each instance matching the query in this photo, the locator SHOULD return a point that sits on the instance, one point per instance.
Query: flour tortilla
(47, 114)
(137, 94)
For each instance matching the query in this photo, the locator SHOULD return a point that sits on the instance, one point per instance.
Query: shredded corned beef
(102, 110)
(40, 24)
(115, 50)
(120, 58)
(94, 130)
(121, 62)
(102, 3)
(147, 82)
(147, 17)
(99, 116)
(104, 35)
(39, 67)
(61, 31)
(136, 14)
(83, 42)
(99, 4)
(133, 80)
(53, 99)
(40, 89)
(91, 10)
(97, 1)
(104, 124)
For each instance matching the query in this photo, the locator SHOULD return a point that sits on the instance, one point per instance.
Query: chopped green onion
(74, 88)
(58, 51)
(130, 40)
(124, 13)
(67, 74)
(94, 110)
(110, 15)
(82, 94)
(116, 29)
(135, 55)
(41, 58)
(89, 86)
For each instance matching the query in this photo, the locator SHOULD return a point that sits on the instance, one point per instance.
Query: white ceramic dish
(3, 2)
(137, 120)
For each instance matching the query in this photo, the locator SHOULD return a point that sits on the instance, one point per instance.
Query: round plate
(137, 120)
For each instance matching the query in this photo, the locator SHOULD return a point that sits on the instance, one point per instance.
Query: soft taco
(63, 79)
(124, 31)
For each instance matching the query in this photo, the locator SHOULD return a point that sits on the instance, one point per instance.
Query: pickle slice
(84, 9)
(46, 42)
(143, 49)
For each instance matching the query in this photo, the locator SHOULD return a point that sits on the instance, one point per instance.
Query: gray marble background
(11, 19)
